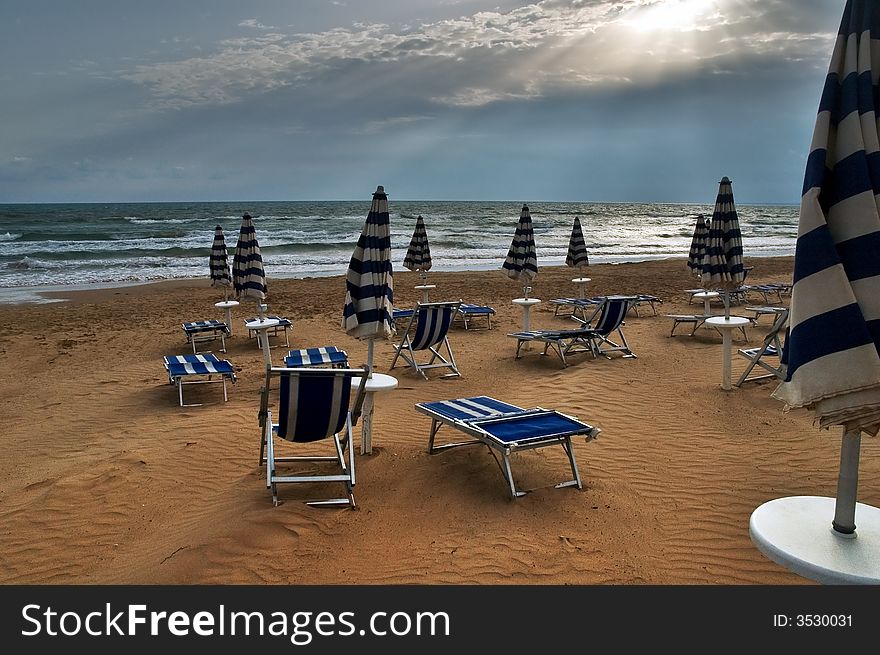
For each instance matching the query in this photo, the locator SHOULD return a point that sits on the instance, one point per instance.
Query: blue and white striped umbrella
(369, 288)
(418, 255)
(834, 339)
(522, 259)
(219, 261)
(698, 245)
(248, 275)
(577, 247)
(722, 264)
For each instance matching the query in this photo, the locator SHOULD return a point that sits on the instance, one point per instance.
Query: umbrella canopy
(418, 255)
(369, 289)
(722, 264)
(522, 259)
(219, 261)
(577, 247)
(831, 350)
(698, 245)
(248, 275)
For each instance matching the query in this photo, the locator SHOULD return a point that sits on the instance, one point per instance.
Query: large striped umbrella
(248, 275)
(219, 262)
(369, 288)
(834, 339)
(522, 259)
(418, 255)
(577, 247)
(698, 245)
(722, 264)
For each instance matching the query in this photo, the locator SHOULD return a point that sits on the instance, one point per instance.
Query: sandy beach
(105, 479)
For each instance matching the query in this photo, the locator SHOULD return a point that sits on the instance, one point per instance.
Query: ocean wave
(9, 236)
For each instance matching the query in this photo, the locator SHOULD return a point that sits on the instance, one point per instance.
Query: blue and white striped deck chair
(505, 429)
(202, 331)
(427, 330)
(313, 404)
(322, 356)
(198, 369)
(594, 340)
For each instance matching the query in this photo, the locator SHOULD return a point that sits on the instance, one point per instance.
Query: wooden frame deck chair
(322, 356)
(771, 347)
(594, 340)
(428, 330)
(313, 404)
(198, 369)
(202, 331)
(506, 429)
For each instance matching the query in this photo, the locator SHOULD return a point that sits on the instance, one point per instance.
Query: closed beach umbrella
(219, 261)
(369, 288)
(834, 330)
(698, 245)
(248, 275)
(522, 259)
(418, 255)
(577, 247)
(722, 263)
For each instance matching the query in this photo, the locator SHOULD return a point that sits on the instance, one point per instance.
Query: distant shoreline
(56, 293)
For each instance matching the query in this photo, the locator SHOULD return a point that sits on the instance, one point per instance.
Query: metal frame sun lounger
(203, 331)
(197, 369)
(283, 324)
(505, 429)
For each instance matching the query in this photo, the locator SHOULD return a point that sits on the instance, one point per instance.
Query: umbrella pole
(844, 523)
(370, 358)
(726, 297)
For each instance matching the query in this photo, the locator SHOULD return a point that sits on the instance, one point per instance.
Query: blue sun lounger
(201, 331)
(198, 369)
(506, 429)
(323, 356)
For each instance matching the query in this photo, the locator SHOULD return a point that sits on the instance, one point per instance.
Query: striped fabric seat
(507, 428)
(203, 331)
(322, 356)
(595, 340)
(197, 369)
(314, 404)
(427, 330)
(284, 325)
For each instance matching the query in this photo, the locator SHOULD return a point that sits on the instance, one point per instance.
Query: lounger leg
(505, 456)
(566, 446)
(180, 391)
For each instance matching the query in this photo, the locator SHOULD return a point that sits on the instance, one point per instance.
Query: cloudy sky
(605, 100)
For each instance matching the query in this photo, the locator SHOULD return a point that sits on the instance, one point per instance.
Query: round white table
(376, 383)
(706, 297)
(227, 305)
(526, 304)
(582, 284)
(726, 325)
(425, 288)
(260, 326)
(796, 532)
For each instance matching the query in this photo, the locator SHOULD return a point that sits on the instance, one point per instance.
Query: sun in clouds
(670, 15)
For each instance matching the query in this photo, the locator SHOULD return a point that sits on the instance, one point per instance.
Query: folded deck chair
(427, 330)
(506, 429)
(197, 369)
(313, 404)
(283, 324)
(468, 312)
(202, 331)
(764, 356)
(323, 356)
(595, 340)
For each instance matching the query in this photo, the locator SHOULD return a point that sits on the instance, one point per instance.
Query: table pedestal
(796, 533)
(227, 305)
(706, 297)
(377, 382)
(425, 288)
(526, 304)
(726, 326)
(260, 326)
(582, 286)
